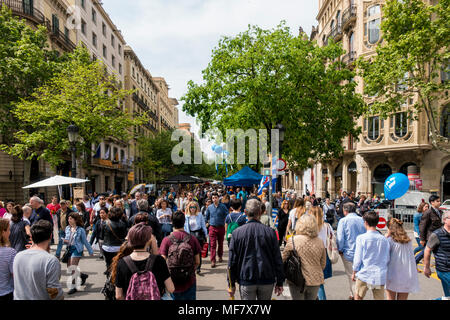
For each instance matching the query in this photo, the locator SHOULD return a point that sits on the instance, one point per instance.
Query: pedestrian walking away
(370, 263)
(7, 255)
(254, 258)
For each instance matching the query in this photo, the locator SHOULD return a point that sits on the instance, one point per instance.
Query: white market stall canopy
(54, 182)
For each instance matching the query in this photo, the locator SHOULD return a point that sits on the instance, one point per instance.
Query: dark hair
(141, 217)
(12, 204)
(178, 220)
(139, 235)
(115, 214)
(41, 231)
(214, 194)
(349, 207)
(78, 219)
(17, 214)
(236, 204)
(263, 208)
(433, 198)
(82, 206)
(371, 218)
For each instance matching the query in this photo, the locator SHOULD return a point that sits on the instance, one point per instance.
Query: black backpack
(293, 269)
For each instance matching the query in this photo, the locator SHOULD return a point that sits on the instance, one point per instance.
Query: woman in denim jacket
(195, 225)
(75, 240)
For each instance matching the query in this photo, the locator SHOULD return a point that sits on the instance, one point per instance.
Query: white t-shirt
(192, 222)
(162, 212)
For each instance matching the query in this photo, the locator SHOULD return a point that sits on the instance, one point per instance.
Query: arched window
(373, 24)
(401, 124)
(332, 25)
(338, 17)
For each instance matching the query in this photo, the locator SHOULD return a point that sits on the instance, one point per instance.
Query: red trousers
(216, 234)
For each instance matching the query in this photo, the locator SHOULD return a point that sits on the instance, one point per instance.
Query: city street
(211, 284)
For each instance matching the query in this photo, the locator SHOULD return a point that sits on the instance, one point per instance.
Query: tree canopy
(260, 78)
(81, 93)
(415, 49)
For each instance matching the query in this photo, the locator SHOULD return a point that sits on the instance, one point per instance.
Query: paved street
(211, 284)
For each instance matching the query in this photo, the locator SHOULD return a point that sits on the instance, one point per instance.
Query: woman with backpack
(20, 230)
(235, 219)
(311, 251)
(141, 275)
(196, 226)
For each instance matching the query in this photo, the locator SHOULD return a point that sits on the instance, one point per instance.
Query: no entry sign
(383, 214)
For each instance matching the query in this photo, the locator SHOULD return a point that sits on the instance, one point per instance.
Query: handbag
(109, 290)
(332, 249)
(293, 269)
(66, 255)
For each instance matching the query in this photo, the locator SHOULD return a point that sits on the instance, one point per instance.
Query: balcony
(349, 58)
(140, 102)
(336, 33)
(28, 12)
(349, 17)
(109, 164)
(60, 38)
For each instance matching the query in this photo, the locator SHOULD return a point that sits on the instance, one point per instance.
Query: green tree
(260, 78)
(156, 159)
(81, 93)
(25, 64)
(415, 49)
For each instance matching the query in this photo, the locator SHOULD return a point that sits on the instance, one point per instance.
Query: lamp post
(282, 131)
(73, 132)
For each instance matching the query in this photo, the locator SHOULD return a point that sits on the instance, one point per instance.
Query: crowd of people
(153, 244)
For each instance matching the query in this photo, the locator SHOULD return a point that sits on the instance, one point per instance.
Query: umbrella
(136, 188)
(55, 181)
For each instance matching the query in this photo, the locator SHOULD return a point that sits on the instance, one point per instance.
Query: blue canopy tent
(244, 178)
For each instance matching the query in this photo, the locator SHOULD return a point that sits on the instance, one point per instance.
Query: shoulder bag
(332, 249)
(293, 269)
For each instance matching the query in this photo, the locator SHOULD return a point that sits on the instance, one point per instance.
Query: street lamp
(282, 135)
(73, 132)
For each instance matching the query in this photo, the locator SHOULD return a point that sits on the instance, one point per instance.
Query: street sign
(281, 165)
(384, 215)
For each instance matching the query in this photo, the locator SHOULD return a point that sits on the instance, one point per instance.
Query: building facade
(385, 146)
(85, 22)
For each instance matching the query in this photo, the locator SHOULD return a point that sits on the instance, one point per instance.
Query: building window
(104, 29)
(445, 122)
(373, 25)
(402, 85)
(94, 39)
(94, 16)
(83, 4)
(113, 41)
(401, 124)
(134, 73)
(55, 23)
(445, 71)
(113, 61)
(105, 52)
(120, 68)
(66, 34)
(83, 26)
(120, 50)
(374, 128)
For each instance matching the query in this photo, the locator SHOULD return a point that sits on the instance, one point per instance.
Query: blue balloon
(396, 186)
(214, 147)
(227, 153)
(218, 149)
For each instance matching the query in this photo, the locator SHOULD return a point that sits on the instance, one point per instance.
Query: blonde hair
(4, 226)
(192, 203)
(397, 233)
(317, 213)
(307, 225)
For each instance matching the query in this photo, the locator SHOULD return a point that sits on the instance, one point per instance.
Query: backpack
(232, 226)
(293, 269)
(180, 259)
(143, 285)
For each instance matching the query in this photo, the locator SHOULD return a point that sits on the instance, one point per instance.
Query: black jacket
(255, 257)
(429, 223)
(152, 222)
(41, 214)
(114, 233)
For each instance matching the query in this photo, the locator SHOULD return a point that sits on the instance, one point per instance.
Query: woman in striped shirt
(7, 255)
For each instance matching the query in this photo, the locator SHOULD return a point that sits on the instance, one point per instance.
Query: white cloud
(174, 38)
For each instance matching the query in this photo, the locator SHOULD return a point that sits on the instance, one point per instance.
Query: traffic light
(267, 169)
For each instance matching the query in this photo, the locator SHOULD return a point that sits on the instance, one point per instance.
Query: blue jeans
(420, 255)
(321, 294)
(61, 236)
(419, 248)
(445, 280)
(189, 294)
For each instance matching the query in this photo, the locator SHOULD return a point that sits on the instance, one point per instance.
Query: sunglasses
(192, 207)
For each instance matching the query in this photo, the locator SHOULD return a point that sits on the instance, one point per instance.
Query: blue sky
(174, 38)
